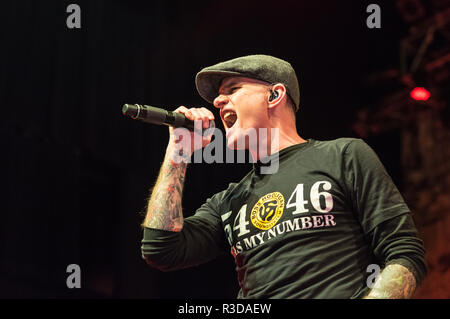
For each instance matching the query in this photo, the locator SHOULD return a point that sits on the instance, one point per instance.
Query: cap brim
(208, 83)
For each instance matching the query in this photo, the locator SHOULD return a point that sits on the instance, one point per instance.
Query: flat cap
(260, 67)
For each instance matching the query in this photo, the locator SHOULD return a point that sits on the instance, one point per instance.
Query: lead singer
(320, 227)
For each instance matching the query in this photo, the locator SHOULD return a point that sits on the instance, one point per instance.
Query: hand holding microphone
(194, 119)
(177, 118)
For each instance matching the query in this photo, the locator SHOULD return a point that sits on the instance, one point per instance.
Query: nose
(220, 101)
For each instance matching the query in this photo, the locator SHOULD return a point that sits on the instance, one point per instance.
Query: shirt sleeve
(396, 241)
(373, 194)
(383, 214)
(201, 239)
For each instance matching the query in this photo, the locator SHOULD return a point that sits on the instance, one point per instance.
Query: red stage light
(420, 94)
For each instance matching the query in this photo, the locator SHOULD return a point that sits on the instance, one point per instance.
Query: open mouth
(229, 118)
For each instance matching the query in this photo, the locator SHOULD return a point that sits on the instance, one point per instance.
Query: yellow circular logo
(267, 211)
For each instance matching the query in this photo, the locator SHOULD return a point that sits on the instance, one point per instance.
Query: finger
(197, 118)
(208, 113)
(184, 110)
(204, 116)
(181, 109)
(207, 116)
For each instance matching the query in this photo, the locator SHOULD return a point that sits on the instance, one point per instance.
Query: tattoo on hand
(394, 282)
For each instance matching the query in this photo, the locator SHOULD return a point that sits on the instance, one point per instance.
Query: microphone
(155, 115)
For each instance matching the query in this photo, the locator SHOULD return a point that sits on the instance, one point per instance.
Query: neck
(275, 140)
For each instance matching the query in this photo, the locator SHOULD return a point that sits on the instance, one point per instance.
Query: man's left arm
(387, 223)
(397, 245)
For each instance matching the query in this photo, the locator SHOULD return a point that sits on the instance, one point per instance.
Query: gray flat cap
(260, 67)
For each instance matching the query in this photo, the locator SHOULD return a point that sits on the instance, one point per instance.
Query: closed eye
(233, 89)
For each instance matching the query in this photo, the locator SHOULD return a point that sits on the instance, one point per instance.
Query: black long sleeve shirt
(310, 230)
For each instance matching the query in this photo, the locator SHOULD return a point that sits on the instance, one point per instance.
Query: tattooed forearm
(394, 282)
(164, 210)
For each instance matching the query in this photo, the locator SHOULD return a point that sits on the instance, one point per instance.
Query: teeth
(230, 118)
(227, 115)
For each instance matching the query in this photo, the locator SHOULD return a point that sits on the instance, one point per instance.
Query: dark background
(76, 173)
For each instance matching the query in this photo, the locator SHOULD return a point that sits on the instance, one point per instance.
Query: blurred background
(76, 173)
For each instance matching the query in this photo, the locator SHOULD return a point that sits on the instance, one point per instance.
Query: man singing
(312, 228)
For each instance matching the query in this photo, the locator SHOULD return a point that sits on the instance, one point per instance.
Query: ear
(280, 89)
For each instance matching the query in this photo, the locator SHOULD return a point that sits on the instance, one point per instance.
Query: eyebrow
(233, 82)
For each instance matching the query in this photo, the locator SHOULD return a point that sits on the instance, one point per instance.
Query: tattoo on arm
(164, 210)
(394, 282)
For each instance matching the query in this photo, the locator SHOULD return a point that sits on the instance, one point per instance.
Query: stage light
(420, 94)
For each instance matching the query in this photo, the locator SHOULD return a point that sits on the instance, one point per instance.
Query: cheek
(252, 117)
(252, 110)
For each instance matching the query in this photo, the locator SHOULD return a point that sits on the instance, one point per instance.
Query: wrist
(177, 154)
